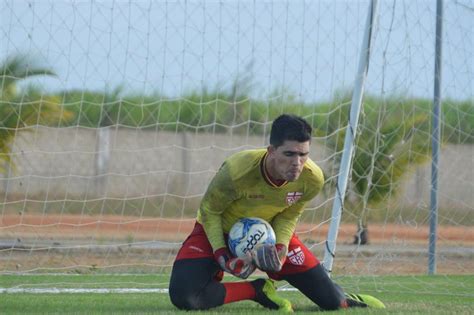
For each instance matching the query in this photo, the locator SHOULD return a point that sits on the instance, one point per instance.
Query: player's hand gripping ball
(247, 233)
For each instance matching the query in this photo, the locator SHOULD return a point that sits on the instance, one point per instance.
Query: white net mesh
(105, 163)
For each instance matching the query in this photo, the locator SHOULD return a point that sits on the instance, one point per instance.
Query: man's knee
(192, 285)
(189, 298)
(183, 298)
(184, 285)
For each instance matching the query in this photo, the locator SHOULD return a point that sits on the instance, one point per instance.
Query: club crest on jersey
(296, 256)
(293, 197)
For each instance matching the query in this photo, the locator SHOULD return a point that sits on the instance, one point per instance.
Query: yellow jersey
(241, 189)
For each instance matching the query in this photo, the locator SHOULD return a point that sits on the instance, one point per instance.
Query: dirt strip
(29, 225)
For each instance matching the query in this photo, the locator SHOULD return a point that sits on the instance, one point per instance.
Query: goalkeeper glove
(239, 267)
(268, 257)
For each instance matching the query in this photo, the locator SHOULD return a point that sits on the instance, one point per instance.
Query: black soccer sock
(318, 287)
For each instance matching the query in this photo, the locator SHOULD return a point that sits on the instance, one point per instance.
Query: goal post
(350, 136)
(435, 135)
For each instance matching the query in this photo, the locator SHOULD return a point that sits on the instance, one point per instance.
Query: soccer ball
(246, 233)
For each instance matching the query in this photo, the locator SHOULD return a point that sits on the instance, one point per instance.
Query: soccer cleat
(266, 295)
(363, 300)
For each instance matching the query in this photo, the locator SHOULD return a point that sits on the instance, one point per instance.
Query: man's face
(286, 161)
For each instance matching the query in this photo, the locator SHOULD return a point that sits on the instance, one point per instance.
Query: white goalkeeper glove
(268, 257)
(239, 267)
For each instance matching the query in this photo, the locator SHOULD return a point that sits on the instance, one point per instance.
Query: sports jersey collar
(270, 181)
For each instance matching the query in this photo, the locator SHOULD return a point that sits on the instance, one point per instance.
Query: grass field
(401, 294)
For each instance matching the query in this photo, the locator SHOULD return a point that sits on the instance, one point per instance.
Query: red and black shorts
(298, 260)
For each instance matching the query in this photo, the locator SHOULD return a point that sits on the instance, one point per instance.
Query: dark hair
(289, 127)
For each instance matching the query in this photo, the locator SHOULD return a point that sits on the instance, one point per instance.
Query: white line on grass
(91, 290)
(76, 290)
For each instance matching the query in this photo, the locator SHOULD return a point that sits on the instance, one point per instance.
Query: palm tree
(392, 138)
(19, 110)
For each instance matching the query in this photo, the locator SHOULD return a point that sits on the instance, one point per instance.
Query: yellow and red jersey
(241, 188)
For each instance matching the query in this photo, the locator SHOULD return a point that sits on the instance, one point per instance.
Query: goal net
(114, 116)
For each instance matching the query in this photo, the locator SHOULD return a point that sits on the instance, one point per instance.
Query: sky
(308, 50)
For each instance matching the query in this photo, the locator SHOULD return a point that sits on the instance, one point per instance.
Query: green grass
(401, 294)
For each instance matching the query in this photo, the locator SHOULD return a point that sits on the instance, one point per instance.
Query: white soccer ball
(246, 233)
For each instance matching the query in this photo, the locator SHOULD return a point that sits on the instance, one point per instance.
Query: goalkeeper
(274, 184)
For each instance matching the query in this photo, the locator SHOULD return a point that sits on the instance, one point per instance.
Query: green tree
(392, 137)
(19, 110)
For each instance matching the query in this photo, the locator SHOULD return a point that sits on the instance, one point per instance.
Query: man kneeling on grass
(273, 184)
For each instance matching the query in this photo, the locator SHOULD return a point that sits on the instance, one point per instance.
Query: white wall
(58, 164)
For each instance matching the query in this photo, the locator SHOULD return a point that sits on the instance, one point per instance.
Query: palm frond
(30, 108)
(17, 68)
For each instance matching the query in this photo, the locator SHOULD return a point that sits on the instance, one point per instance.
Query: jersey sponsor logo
(293, 197)
(296, 256)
